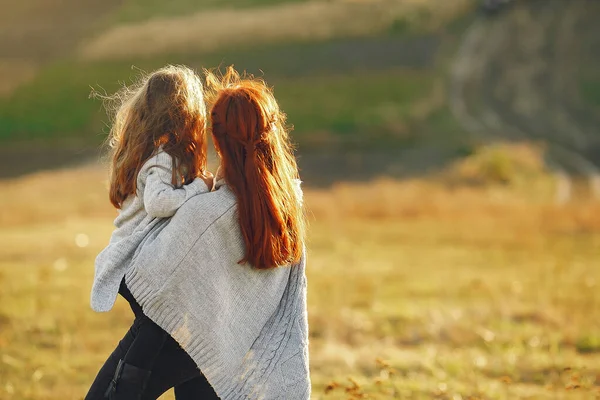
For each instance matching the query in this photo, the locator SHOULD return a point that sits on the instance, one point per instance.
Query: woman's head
(166, 108)
(258, 164)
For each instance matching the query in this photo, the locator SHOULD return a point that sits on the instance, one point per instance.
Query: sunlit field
(477, 281)
(447, 287)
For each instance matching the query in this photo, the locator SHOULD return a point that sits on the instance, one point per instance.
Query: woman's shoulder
(198, 216)
(210, 206)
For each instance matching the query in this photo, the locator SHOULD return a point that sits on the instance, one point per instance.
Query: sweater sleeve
(161, 197)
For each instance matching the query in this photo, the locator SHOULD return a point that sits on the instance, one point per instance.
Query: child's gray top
(156, 198)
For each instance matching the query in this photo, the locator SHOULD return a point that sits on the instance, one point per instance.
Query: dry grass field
(444, 287)
(470, 283)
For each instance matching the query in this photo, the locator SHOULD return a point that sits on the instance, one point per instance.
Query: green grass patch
(588, 344)
(590, 91)
(56, 104)
(417, 20)
(353, 105)
(442, 120)
(324, 100)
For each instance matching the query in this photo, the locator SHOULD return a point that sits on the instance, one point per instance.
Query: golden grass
(464, 291)
(212, 30)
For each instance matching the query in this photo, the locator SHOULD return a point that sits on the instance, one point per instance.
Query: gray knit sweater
(246, 329)
(156, 198)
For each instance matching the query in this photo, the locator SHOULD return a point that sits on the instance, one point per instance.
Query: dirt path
(515, 78)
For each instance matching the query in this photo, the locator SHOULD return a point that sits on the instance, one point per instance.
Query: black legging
(147, 346)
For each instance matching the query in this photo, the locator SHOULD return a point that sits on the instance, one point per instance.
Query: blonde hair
(165, 108)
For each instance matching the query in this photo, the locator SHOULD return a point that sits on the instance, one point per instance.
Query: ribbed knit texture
(246, 329)
(156, 199)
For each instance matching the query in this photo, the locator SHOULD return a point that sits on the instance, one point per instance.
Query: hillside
(531, 74)
(423, 81)
(345, 71)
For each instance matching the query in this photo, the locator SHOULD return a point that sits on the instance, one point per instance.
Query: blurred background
(450, 152)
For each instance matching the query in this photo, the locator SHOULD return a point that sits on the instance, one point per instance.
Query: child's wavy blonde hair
(165, 108)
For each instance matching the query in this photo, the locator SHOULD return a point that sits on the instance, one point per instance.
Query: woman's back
(245, 328)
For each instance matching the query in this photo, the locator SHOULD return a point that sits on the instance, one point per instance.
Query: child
(159, 162)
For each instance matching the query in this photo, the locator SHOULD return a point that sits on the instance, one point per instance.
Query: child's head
(166, 108)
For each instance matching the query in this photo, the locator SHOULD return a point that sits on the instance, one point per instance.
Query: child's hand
(208, 179)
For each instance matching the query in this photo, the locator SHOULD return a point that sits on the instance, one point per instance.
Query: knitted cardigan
(246, 329)
(156, 198)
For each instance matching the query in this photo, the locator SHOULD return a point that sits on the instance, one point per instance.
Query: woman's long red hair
(259, 166)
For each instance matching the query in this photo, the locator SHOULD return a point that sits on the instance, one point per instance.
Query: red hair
(166, 109)
(259, 166)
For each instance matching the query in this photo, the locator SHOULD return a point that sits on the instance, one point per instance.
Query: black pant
(147, 346)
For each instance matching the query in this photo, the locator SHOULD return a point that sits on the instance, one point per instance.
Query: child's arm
(161, 198)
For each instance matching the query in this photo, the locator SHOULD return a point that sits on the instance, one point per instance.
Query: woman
(225, 275)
